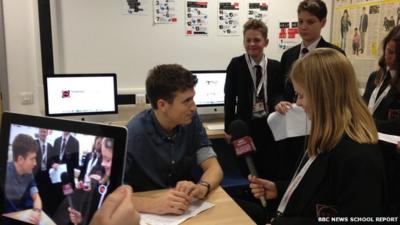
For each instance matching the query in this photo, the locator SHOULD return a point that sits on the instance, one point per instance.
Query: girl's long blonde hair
(334, 103)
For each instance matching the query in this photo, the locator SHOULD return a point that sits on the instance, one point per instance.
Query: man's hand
(199, 192)
(192, 190)
(35, 216)
(172, 202)
(185, 186)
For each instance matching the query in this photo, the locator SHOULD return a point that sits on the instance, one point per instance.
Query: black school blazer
(347, 181)
(239, 85)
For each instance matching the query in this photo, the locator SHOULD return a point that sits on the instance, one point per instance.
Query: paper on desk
(24, 216)
(388, 138)
(194, 209)
(292, 124)
(55, 174)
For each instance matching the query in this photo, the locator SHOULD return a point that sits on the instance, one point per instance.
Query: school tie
(64, 140)
(44, 157)
(43, 150)
(304, 51)
(258, 80)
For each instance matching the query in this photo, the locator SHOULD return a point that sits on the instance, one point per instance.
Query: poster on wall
(258, 9)
(228, 18)
(164, 11)
(288, 34)
(135, 7)
(196, 18)
(359, 28)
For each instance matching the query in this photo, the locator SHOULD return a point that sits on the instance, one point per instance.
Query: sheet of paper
(388, 138)
(24, 216)
(194, 209)
(215, 126)
(55, 174)
(292, 124)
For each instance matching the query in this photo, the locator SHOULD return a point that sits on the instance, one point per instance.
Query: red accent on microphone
(67, 189)
(243, 145)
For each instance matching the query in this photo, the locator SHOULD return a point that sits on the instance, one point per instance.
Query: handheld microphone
(244, 146)
(67, 188)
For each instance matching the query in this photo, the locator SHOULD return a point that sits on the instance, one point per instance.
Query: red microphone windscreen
(67, 189)
(243, 145)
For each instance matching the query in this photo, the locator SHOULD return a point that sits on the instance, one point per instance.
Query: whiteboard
(94, 36)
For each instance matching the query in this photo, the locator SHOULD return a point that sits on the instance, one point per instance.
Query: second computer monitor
(210, 95)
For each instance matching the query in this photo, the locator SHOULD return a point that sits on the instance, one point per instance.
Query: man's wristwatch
(205, 184)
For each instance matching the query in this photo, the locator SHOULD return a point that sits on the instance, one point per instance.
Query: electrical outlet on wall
(26, 98)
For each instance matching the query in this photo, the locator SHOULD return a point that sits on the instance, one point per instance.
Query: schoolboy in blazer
(251, 99)
(240, 84)
(289, 57)
(312, 18)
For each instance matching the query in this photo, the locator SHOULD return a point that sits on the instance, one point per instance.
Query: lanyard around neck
(257, 88)
(374, 102)
(294, 183)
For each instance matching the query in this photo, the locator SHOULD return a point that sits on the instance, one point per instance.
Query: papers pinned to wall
(164, 11)
(228, 18)
(196, 18)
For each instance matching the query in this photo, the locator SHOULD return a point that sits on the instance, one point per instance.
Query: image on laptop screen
(57, 171)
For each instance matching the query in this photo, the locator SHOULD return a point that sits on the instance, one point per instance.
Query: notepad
(388, 138)
(292, 124)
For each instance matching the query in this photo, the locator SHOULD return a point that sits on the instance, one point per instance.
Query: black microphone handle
(251, 166)
(71, 205)
(253, 171)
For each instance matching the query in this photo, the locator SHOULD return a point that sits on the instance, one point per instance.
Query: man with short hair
(312, 18)
(167, 141)
(21, 191)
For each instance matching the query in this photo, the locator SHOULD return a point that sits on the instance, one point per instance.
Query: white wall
(23, 53)
(93, 36)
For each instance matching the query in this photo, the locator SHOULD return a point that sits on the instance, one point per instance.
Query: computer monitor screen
(210, 95)
(60, 168)
(80, 94)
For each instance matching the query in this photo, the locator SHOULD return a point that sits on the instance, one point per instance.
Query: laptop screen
(57, 171)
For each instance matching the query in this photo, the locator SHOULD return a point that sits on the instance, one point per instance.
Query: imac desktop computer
(89, 97)
(210, 95)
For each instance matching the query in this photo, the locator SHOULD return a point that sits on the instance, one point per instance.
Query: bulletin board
(382, 16)
(130, 37)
